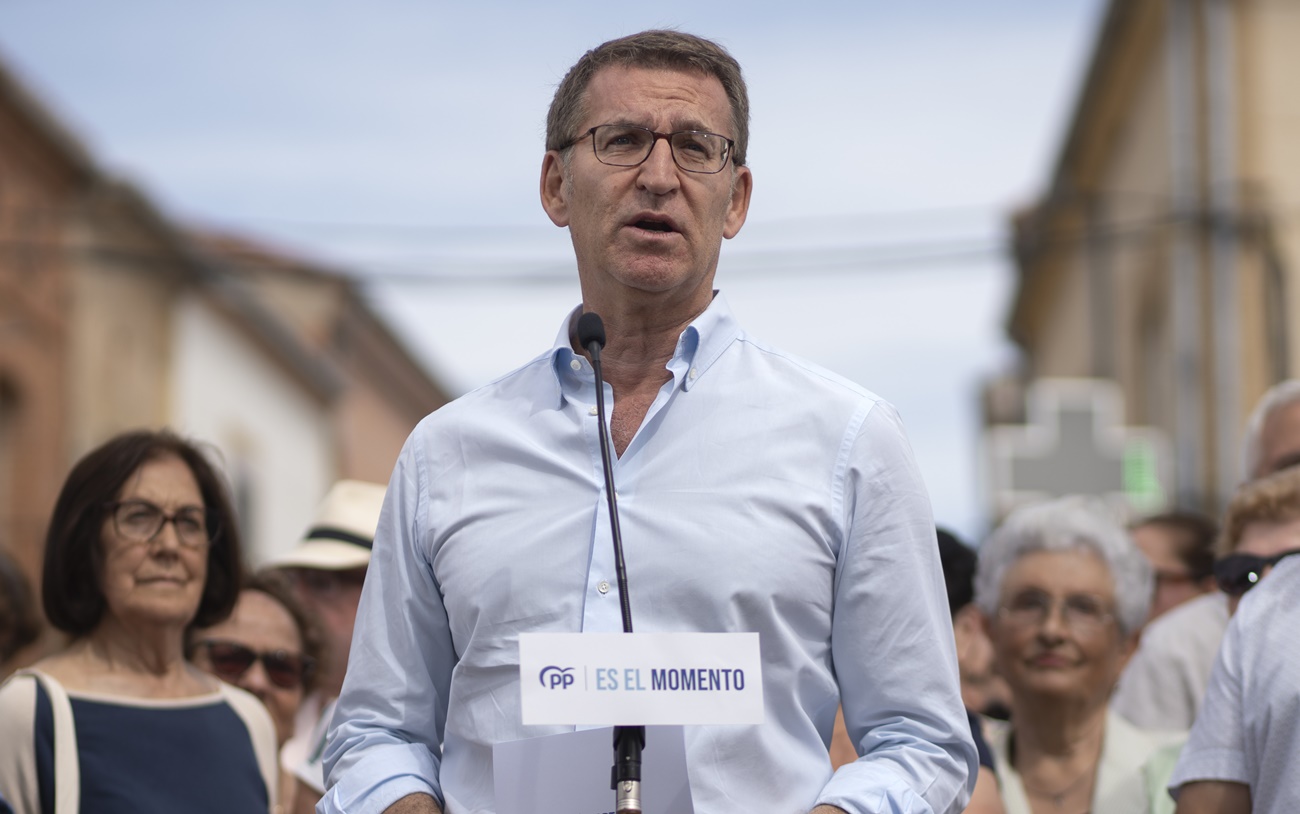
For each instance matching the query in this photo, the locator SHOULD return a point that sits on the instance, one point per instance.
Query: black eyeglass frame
(211, 523)
(654, 139)
(305, 670)
(1232, 573)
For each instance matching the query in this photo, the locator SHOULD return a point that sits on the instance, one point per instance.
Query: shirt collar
(700, 345)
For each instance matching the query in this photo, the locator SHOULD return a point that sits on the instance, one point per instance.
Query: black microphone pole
(625, 776)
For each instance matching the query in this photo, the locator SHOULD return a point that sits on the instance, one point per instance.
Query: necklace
(1059, 796)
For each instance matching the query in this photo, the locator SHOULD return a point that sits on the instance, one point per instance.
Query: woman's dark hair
(274, 583)
(74, 555)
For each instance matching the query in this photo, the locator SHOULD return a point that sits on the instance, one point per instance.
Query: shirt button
(575, 364)
(593, 411)
(603, 587)
(693, 374)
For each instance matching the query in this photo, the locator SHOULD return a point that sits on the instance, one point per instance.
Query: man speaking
(758, 493)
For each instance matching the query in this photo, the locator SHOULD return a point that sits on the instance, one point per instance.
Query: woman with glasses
(141, 545)
(269, 646)
(1064, 592)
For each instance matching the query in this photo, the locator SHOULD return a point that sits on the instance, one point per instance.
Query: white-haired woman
(1065, 591)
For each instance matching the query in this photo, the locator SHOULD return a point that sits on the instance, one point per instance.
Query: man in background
(1180, 547)
(1242, 753)
(1165, 682)
(327, 569)
(1272, 441)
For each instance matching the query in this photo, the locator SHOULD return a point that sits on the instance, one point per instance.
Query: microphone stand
(625, 775)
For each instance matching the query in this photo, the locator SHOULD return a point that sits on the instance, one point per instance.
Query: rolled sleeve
(892, 640)
(386, 735)
(384, 775)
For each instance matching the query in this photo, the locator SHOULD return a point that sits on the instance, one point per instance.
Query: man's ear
(738, 208)
(554, 191)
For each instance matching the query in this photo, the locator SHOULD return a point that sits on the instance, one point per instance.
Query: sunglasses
(231, 660)
(1238, 573)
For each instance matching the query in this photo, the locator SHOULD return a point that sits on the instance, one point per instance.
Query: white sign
(569, 773)
(585, 679)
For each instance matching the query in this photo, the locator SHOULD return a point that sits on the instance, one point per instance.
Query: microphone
(591, 329)
(625, 776)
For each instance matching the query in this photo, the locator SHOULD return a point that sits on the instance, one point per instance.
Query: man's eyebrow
(693, 124)
(677, 126)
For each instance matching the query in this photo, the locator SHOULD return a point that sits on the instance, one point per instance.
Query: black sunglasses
(231, 660)
(1238, 573)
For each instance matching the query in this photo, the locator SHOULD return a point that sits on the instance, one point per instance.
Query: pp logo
(556, 678)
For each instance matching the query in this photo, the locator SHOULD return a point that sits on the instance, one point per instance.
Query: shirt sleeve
(386, 734)
(1215, 749)
(891, 638)
(1146, 696)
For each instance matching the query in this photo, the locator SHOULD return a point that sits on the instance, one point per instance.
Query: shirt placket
(600, 607)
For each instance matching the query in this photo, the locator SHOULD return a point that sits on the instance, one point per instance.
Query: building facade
(114, 318)
(1162, 255)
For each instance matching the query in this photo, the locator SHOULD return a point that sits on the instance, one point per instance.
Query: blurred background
(1055, 235)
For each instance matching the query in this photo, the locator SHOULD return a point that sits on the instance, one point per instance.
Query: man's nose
(658, 173)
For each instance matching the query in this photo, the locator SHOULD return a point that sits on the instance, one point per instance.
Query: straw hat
(342, 532)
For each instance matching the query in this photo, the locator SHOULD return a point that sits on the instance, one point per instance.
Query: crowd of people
(1086, 650)
(1094, 649)
(374, 665)
(186, 682)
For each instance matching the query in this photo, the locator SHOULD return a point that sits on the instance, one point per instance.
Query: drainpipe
(1221, 132)
(1189, 409)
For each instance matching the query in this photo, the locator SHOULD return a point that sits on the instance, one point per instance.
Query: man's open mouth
(654, 225)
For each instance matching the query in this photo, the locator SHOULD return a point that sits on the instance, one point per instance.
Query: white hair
(1068, 524)
(1282, 394)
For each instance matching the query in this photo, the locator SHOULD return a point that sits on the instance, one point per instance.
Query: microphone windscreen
(591, 329)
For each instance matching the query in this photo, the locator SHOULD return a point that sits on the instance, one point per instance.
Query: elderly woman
(141, 545)
(1064, 592)
(269, 646)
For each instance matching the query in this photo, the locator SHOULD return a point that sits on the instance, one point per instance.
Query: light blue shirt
(760, 493)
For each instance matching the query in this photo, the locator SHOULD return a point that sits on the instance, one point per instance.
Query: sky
(401, 141)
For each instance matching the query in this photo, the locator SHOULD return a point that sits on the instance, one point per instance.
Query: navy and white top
(210, 753)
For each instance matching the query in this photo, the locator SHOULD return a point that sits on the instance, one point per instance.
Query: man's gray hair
(656, 50)
(1282, 394)
(1068, 524)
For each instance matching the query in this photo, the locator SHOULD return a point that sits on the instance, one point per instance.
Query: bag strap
(67, 766)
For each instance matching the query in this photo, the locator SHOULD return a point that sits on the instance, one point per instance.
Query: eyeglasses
(326, 586)
(1238, 573)
(626, 145)
(140, 521)
(1165, 577)
(1081, 613)
(230, 660)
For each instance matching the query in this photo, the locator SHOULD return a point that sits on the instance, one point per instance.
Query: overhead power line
(939, 254)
